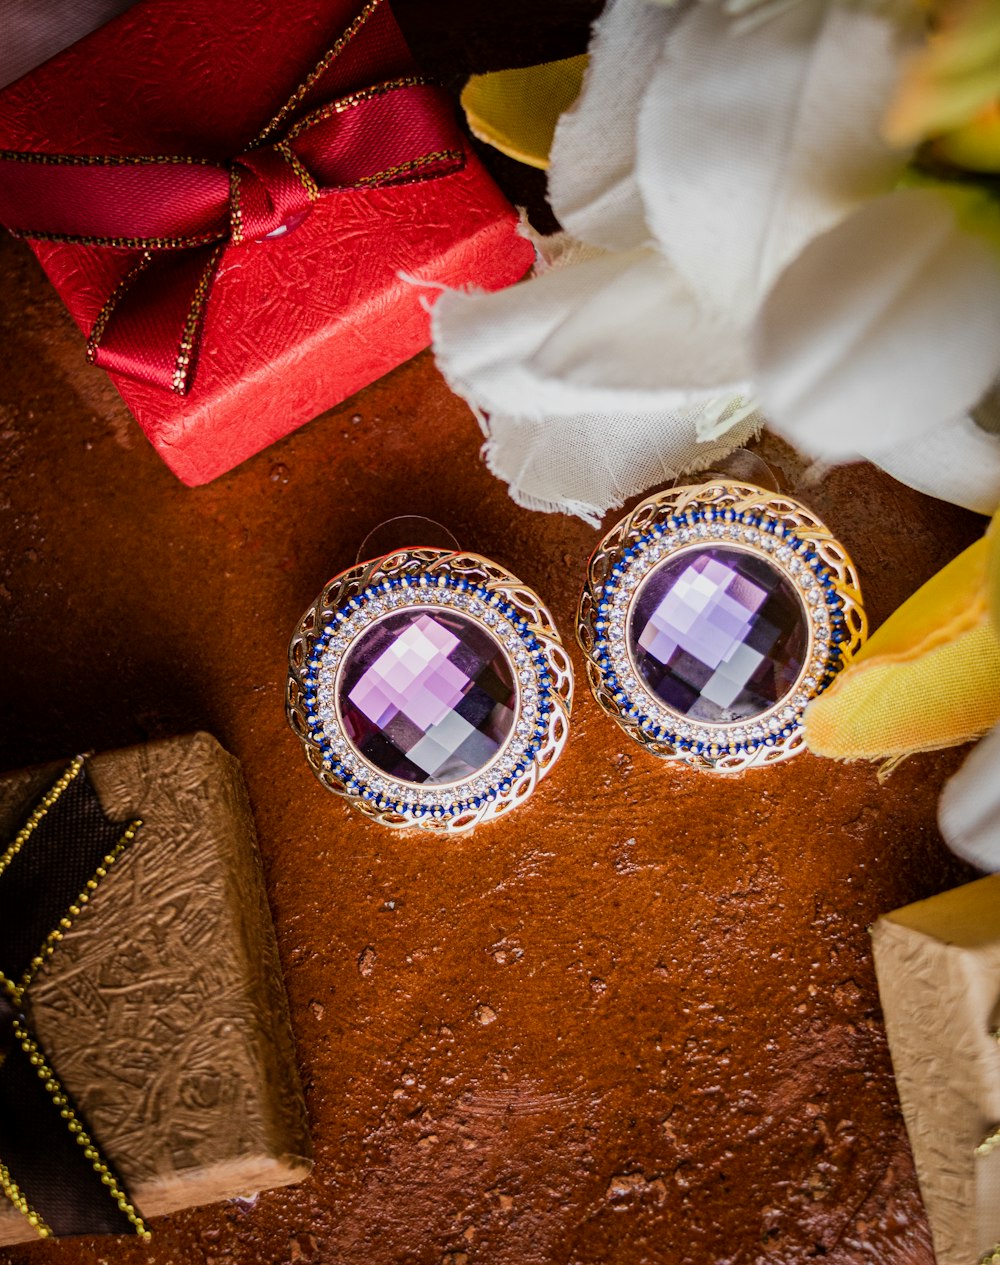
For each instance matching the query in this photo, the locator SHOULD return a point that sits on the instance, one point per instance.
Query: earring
(431, 688)
(710, 617)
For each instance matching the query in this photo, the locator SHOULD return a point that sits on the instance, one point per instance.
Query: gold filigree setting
(769, 526)
(435, 580)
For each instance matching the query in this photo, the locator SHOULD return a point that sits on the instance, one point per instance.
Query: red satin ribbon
(179, 214)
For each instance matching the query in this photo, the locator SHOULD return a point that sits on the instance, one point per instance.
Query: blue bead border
(356, 785)
(762, 523)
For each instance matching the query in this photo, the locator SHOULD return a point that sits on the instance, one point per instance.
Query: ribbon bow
(50, 1168)
(179, 214)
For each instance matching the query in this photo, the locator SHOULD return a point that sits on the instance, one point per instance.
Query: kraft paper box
(298, 317)
(938, 967)
(163, 1009)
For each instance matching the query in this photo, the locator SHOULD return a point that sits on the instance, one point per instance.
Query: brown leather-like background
(635, 1022)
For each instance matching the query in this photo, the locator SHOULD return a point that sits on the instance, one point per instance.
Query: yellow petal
(976, 146)
(993, 575)
(517, 110)
(955, 76)
(928, 678)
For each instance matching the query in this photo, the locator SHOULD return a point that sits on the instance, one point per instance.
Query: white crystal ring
(711, 616)
(431, 688)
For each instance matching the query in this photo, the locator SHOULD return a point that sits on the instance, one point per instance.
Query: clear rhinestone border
(489, 596)
(771, 526)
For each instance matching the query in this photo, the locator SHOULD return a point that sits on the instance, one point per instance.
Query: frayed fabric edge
(590, 513)
(888, 764)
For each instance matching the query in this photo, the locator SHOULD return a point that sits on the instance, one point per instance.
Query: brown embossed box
(164, 1010)
(938, 967)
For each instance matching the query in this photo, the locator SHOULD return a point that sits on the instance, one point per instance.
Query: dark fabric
(51, 871)
(42, 881)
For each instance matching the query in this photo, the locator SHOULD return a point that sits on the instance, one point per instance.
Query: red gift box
(300, 319)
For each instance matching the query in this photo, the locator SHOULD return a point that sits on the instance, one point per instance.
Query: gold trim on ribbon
(180, 378)
(320, 69)
(97, 332)
(119, 243)
(30, 1047)
(236, 236)
(185, 352)
(343, 104)
(235, 207)
(101, 160)
(303, 176)
(414, 164)
(111, 160)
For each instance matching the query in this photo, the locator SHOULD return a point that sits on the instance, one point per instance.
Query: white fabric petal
(619, 333)
(750, 144)
(969, 809)
(592, 183)
(558, 250)
(957, 462)
(885, 326)
(586, 464)
(747, 13)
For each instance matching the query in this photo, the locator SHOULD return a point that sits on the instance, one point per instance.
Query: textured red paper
(295, 324)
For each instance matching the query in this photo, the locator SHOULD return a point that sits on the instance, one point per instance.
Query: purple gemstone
(427, 696)
(718, 634)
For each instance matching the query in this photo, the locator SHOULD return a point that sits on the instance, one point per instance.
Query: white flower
(740, 244)
(969, 810)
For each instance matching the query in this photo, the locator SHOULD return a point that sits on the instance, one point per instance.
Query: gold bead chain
(8, 1185)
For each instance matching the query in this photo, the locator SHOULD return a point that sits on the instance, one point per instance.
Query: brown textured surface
(938, 968)
(636, 1022)
(163, 1008)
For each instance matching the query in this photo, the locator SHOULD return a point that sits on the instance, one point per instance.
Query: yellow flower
(950, 90)
(929, 677)
(977, 145)
(516, 111)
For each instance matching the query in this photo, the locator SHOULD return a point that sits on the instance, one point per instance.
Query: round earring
(711, 615)
(431, 688)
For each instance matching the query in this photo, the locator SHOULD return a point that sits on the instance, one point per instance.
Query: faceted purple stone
(427, 696)
(718, 634)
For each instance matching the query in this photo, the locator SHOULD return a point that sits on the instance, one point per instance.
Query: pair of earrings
(432, 689)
